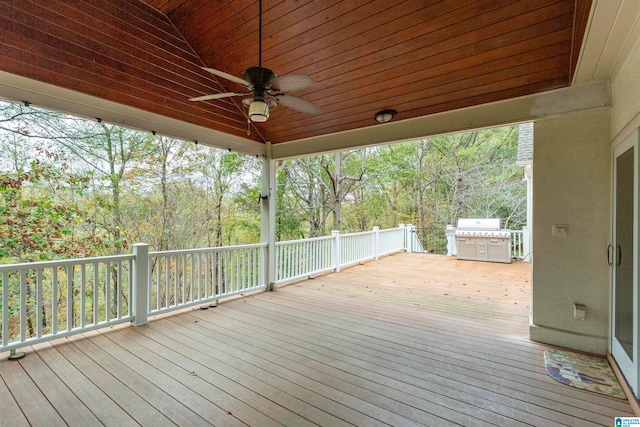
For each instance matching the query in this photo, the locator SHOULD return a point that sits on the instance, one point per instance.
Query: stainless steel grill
(481, 239)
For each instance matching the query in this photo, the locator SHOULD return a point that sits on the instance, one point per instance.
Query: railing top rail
(357, 233)
(202, 250)
(64, 262)
(310, 239)
(361, 233)
(390, 230)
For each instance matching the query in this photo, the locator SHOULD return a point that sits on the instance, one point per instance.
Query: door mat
(583, 372)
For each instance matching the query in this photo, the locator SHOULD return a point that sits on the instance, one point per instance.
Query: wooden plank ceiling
(418, 57)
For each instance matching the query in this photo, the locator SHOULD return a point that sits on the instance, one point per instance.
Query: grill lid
(480, 233)
(479, 224)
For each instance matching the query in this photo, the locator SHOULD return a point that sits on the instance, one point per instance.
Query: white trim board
(576, 99)
(612, 30)
(568, 339)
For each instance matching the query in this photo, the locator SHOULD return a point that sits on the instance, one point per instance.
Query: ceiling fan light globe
(258, 111)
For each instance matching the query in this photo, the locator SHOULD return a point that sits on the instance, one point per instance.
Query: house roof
(525, 144)
(415, 56)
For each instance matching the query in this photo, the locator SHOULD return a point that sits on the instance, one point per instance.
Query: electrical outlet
(560, 230)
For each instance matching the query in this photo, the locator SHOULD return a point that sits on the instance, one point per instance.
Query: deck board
(148, 388)
(127, 399)
(288, 351)
(101, 402)
(26, 392)
(410, 339)
(66, 403)
(167, 368)
(11, 412)
(314, 406)
(470, 371)
(365, 413)
(394, 373)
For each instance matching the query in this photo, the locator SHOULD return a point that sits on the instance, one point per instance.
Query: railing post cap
(376, 228)
(334, 232)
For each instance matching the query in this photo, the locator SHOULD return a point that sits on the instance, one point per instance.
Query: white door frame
(628, 366)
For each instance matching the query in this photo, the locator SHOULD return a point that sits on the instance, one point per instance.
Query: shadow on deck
(408, 340)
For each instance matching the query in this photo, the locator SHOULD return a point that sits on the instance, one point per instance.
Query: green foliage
(428, 183)
(38, 221)
(72, 187)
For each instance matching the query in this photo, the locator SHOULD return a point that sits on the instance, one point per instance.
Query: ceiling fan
(265, 87)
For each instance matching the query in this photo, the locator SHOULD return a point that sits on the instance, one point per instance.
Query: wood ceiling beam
(570, 100)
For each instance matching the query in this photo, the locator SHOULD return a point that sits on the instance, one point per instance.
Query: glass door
(622, 257)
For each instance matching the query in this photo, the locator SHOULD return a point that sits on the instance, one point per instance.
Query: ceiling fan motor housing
(259, 77)
(260, 80)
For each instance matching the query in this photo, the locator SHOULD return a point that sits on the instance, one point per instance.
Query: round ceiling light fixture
(385, 116)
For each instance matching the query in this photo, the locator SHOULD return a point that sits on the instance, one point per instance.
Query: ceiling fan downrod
(260, 33)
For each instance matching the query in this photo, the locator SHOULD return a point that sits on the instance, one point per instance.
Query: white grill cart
(481, 239)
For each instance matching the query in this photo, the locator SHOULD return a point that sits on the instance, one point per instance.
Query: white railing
(356, 247)
(521, 244)
(390, 241)
(179, 279)
(414, 244)
(296, 259)
(517, 250)
(46, 300)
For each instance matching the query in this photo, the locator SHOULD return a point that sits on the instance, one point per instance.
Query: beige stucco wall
(571, 186)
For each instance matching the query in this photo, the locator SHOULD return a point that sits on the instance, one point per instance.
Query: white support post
(452, 249)
(140, 284)
(268, 217)
(404, 236)
(336, 249)
(526, 244)
(376, 243)
(411, 230)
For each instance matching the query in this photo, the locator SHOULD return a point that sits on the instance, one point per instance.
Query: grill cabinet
(480, 239)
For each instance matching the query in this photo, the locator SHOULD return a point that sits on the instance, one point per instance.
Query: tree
(39, 224)
(174, 194)
(343, 177)
(431, 182)
(311, 202)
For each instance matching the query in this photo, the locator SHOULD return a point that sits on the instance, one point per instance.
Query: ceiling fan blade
(291, 82)
(227, 76)
(217, 96)
(297, 103)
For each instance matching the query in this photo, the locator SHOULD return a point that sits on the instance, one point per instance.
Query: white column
(452, 250)
(336, 249)
(268, 217)
(140, 284)
(411, 232)
(528, 230)
(526, 244)
(376, 242)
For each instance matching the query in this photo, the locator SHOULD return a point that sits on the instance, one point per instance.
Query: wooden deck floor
(408, 340)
